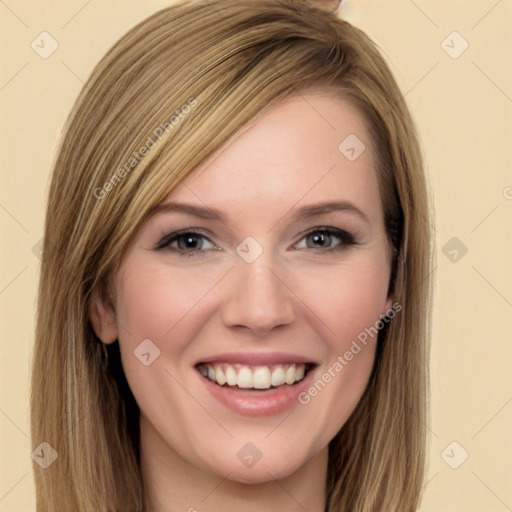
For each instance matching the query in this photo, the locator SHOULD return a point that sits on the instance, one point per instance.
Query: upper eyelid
(170, 238)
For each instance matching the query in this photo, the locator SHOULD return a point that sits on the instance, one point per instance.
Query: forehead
(311, 145)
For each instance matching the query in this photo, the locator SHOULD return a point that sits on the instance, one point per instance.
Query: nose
(258, 297)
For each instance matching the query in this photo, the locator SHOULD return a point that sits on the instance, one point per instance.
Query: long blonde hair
(183, 83)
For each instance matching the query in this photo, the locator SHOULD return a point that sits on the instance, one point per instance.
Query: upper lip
(255, 358)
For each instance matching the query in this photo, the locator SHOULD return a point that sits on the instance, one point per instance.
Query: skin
(295, 297)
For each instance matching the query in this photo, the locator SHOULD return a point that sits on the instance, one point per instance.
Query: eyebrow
(302, 213)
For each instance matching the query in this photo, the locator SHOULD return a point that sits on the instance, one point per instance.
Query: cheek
(165, 306)
(350, 297)
(349, 302)
(156, 302)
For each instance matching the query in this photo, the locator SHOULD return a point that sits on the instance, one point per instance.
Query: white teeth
(290, 375)
(245, 378)
(259, 377)
(219, 376)
(262, 378)
(278, 376)
(231, 376)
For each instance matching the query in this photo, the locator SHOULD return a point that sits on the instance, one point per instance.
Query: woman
(234, 298)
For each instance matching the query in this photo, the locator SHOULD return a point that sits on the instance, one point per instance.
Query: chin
(260, 474)
(268, 465)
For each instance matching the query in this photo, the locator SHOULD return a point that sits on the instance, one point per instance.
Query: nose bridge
(257, 297)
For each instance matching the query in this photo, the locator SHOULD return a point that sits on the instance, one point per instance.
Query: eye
(324, 237)
(186, 243)
(193, 243)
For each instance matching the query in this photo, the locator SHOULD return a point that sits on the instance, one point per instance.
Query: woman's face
(279, 272)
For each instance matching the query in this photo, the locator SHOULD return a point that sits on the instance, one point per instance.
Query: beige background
(463, 109)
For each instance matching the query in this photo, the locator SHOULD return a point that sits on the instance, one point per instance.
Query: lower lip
(258, 403)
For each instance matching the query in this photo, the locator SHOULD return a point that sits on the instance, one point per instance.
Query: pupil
(189, 242)
(320, 238)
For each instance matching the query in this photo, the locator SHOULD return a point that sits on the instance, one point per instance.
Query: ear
(388, 304)
(390, 294)
(102, 316)
(396, 272)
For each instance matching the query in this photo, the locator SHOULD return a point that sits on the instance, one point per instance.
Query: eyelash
(346, 240)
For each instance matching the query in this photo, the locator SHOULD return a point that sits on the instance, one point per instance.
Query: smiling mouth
(258, 377)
